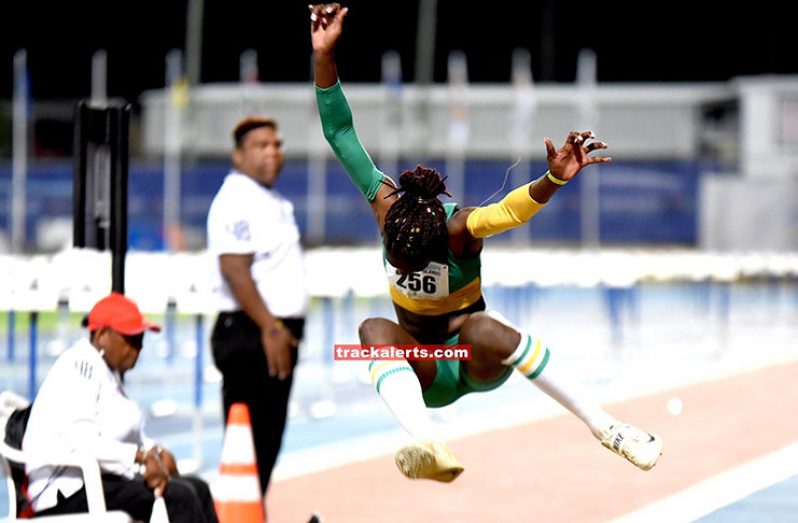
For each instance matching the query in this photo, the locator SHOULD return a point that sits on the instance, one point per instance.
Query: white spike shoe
(428, 460)
(641, 448)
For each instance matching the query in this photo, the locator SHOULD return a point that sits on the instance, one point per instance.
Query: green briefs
(451, 382)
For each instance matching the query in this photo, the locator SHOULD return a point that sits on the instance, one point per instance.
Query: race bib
(432, 283)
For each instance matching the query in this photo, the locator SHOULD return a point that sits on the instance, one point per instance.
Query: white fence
(639, 121)
(156, 280)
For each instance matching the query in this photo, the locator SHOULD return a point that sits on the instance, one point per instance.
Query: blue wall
(652, 202)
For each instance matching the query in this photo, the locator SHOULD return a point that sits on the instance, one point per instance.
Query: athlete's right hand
(278, 342)
(326, 24)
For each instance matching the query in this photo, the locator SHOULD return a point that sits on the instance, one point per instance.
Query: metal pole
(425, 71)
(79, 211)
(391, 121)
(547, 41)
(425, 41)
(316, 198)
(459, 126)
(590, 215)
(249, 76)
(99, 79)
(198, 366)
(172, 133)
(199, 334)
(170, 332)
(118, 141)
(317, 178)
(20, 151)
(521, 122)
(32, 355)
(12, 338)
(248, 67)
(196, 11)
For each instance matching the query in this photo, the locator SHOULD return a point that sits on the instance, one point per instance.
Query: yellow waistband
(457, 300)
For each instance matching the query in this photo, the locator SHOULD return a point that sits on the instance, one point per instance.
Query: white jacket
(81, 407)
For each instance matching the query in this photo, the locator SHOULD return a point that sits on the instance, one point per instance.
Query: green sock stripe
(541, 366)
(394, 370)
(523, 354)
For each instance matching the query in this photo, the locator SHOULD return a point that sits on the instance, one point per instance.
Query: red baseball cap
(119, 313)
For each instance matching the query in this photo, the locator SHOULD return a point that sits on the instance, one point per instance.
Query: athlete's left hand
(573, 155)
(326, 26)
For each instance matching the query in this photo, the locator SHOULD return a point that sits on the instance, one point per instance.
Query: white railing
(156, 280)
(640, 121)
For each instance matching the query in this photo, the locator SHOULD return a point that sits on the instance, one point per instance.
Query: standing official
(262, 297)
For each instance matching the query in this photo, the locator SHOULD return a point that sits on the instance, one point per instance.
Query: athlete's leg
(494, 341)
(399, 384)
(496, 344)
(380, 331)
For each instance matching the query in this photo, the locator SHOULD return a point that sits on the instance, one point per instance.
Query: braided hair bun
(422, 182)
(415, 229)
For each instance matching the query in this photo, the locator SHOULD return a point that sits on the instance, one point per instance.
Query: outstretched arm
(326, 22)
(521, 204)
(326, 26)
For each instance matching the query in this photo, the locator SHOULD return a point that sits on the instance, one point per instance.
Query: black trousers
(188, 499)
(238, 354)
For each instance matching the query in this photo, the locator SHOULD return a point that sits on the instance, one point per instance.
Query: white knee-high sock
(533, 359)
(398, 386)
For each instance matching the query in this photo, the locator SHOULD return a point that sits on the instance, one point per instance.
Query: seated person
(82, 407)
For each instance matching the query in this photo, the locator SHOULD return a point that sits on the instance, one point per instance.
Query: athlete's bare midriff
(435, 329)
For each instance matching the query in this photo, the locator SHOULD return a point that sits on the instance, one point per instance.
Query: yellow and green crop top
(438, 288)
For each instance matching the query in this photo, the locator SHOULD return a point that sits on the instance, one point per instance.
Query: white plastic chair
(9, 402)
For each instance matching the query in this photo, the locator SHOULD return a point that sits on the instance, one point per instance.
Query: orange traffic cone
(236, 493)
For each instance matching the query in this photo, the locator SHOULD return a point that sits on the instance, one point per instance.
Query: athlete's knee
(485, 333)
(370, 329)
(478, 327)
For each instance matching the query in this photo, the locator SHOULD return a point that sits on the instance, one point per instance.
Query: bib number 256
(416, 281)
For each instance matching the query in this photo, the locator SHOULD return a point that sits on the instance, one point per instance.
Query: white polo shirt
(247, 218)
(81, 408)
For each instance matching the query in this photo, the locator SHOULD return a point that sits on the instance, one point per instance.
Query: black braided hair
(415, 226)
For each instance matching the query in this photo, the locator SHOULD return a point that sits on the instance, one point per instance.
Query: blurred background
(697, 113)
(693, 228)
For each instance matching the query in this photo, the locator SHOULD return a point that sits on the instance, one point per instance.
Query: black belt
(242, 320)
